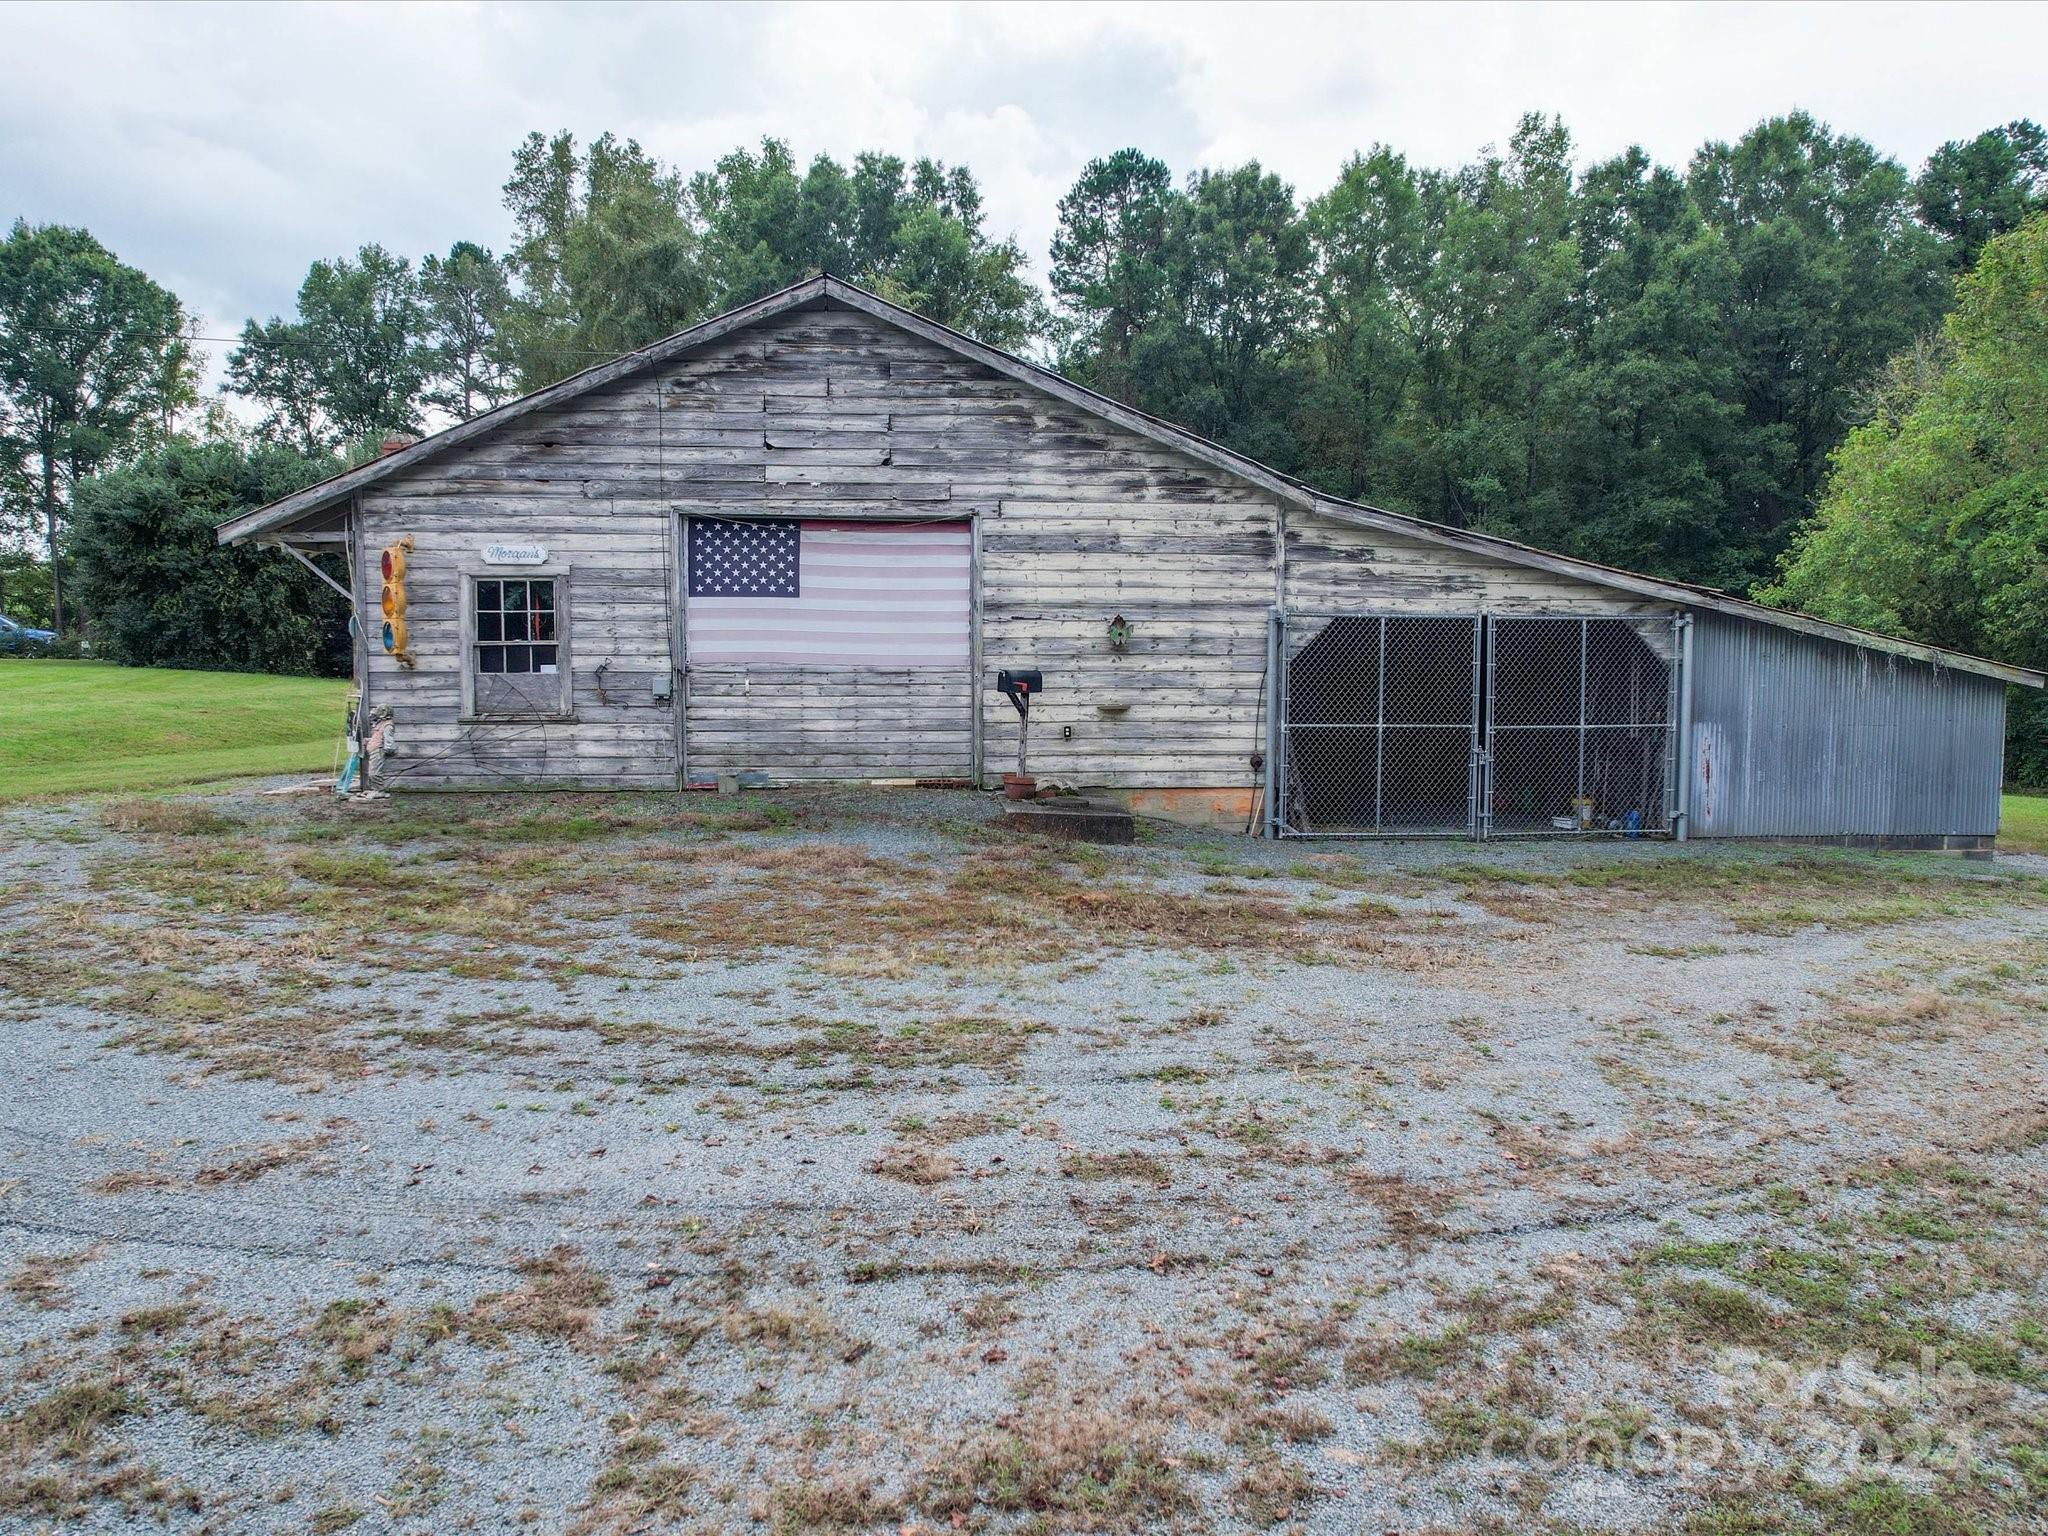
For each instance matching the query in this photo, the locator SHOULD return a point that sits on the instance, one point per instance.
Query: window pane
(490, 626)
(487, 596)
(543, 593)
(518, 658)
(490, 658)
(543, 626)
(517, 626)
(515, 596)
(543, 658)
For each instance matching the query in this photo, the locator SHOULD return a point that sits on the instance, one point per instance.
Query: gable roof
(826, 291)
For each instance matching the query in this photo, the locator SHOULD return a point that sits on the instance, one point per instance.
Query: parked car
(21, 640)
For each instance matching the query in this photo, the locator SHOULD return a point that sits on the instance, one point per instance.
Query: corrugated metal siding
(1794, 736)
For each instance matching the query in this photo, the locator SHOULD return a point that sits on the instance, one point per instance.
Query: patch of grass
(1071, 1469)
(2023, 823)
(1411, 1208)
(358, 1330)
(76, 727)
(843, 1503)
(1828, 1302)
(1139, 1166)
(1852, 914)
(1272, 1490)
(1419, 1355)
(1763, 895)
(168, 818)
(1880, 1507)
(1719, 1314)
(908, 1164)
(1461, 1429)
(39, 1281)
(559, 1299)
(65, 1422)
(153, 1322)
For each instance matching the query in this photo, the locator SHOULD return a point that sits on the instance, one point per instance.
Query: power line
(552, 350)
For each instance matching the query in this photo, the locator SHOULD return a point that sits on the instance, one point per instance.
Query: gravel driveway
(839, 1161)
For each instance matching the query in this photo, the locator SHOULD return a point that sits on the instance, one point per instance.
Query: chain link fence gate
(1581, 726)
(1378, 725)
(1472, 725)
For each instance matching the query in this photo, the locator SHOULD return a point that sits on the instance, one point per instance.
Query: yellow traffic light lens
(394, 599)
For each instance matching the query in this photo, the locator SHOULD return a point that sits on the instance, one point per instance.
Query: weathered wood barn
(795, 542)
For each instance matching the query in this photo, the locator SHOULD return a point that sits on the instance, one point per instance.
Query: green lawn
(72, 727)
(2023, 824)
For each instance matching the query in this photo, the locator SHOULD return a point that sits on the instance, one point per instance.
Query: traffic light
(394, 600)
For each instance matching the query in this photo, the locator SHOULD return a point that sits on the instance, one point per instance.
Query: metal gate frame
(1281, 722)
(1585, 727)
(1279, 821)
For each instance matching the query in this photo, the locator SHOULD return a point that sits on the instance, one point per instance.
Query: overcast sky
(223, 148)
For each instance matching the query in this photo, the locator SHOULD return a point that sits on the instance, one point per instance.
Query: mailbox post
(1018, 688)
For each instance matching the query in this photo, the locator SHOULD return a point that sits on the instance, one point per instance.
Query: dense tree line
(1659, 367)
(1639, 364)
(1935, 521)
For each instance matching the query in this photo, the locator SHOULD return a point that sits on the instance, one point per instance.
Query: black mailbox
(1019, 685)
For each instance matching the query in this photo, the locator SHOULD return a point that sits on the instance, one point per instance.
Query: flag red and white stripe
(869, 595)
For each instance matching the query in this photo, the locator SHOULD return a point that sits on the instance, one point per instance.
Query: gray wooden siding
(833, 413)
(792, 725)
(614, 557)
(1333, 565)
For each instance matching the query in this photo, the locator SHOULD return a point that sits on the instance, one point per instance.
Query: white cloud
(223, 148)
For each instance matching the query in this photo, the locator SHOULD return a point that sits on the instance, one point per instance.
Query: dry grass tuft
(1411, 1209)
(840, 1503)
(559, 1299)
(1141, 1167)
(909, 1164)
(1271, 1491)
(39, 1280)
(267, 1158)
(357, 1330)
(167, 818)
(1069, 1468)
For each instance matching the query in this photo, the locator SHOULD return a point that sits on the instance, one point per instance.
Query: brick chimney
(394, 444)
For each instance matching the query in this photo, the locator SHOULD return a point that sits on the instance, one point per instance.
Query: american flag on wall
(827, 594)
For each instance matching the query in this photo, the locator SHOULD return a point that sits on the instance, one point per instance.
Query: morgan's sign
(514, 554)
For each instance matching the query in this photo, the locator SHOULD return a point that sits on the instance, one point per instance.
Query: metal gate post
(1681, 727)
(1276, 717)
(1379, 737)
(1585, 662)
(1482, 722)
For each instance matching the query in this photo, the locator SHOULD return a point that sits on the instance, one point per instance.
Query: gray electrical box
(664, 686)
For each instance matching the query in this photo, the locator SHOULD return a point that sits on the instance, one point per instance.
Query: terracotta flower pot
(1019, 786)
